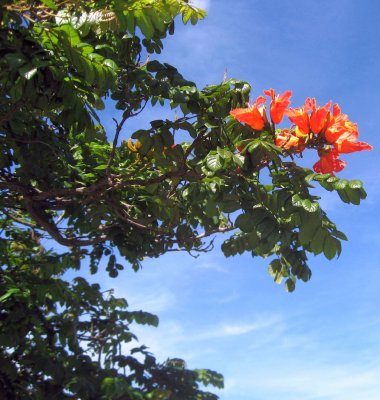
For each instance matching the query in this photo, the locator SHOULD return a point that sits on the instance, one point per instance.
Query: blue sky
(323, 341)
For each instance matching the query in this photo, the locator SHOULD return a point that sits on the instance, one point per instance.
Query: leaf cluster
(106, 196)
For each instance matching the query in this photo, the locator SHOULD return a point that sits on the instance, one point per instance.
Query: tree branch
(44, 221)
(122, 214)
(112, 182)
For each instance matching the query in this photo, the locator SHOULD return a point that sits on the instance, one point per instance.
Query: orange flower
(134, 147)
(329, 162)
(300, 118)
(287, 140)
(338, 125)
(278, 105)
(320, 116)
(330, 132)
(343, 134)
(346, 143)
(254, 116)
(346, 146)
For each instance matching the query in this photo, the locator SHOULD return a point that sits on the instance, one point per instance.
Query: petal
(329, 163)
(249, 116)
(342, 130)
(320, 116)
(279, 106)
(271, 93)
(336, 110)
(347, 146)
(300, 118)
(287, 140)
(259, 101)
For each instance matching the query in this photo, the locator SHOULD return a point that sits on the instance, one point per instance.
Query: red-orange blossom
(329, 132)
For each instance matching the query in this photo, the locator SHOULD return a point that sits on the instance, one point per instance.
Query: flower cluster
(327, 130)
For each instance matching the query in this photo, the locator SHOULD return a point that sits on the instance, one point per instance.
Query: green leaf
(144, 318)
(340, 184)
(344, 196)
(353, 195)
(229, 206)
(27, 72)
(155, 66)
(332, 179)
(310, 177)
(331, 247)
(130, 21)
(69, 33)
(50, 3)
(310, 206)
(15, 60)
(305, 274)
(310, 224)
(208, 377)
(355, 184)
(100, 167)
(266, 227)
(290, 285)
(11, 292)
(275, 270)
(223, 153)
(260, 213)
(111, 64)
(340, 235)
(297, 201)
(144, 23)
(317, 243)
(159, 394)
(252, 240)
(213, 162)
(245, 222)
(186, 15)
(156, 19)
(238, 159)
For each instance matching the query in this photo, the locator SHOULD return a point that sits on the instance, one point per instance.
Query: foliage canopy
(104, 196)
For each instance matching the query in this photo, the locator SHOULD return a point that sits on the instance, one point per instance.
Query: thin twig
(194, 144)
(27, 141)
(19, 220)
(126, 115)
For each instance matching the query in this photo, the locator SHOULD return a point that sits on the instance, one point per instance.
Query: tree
(103, 195)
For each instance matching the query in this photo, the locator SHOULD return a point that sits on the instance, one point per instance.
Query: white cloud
(173, 338)
(204, 4)
(231, 298)
(216, 265)
(153, 303)
(268, 356)
(232, 330)
(310, 381)
(235, 329)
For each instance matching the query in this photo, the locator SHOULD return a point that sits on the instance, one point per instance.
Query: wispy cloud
(204, 4)
(230, 298)
(272, 356)
(290, 381)
(152, 302)
(236, 328)
(173, 338)
(212, 264)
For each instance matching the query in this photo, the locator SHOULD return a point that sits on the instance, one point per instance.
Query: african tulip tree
(102, 194)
